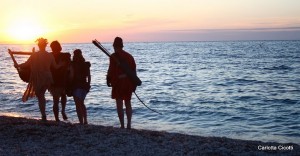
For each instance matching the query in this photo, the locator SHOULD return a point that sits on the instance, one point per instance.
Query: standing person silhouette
(122, 87)
(81, 82)
(60, 78)
(40, 76)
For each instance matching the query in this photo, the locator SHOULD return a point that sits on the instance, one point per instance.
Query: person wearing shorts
(81, 80)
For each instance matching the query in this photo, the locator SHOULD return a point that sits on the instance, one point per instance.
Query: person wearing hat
(122, 87)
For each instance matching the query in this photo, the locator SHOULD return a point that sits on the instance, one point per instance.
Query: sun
(24, 29)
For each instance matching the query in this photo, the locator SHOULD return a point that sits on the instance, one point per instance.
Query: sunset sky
(72, 21)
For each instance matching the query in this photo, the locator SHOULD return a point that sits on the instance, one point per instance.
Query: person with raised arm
(40, 77)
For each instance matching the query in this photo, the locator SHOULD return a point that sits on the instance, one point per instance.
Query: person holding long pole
(122, 86)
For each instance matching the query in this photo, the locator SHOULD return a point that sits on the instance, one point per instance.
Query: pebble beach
(24, 136)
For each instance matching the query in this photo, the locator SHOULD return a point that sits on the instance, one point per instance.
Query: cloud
(241, 29)
(279, 33)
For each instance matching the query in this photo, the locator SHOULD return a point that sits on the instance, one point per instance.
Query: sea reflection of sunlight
(12, 114)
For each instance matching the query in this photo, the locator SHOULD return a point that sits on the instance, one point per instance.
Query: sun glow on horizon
(24, 29)
(197, 20)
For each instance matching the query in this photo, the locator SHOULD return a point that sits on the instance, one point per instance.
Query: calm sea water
(245, 90)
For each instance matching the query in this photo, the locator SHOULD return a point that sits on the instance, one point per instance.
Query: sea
(237, 89)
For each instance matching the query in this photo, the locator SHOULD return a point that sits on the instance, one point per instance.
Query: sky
(80, 21)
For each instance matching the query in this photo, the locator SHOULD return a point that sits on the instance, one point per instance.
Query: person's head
(56, 47)
(42, 43)
(118, 43)
(77, 57)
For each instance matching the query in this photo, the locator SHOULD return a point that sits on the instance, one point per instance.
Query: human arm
(133, 66)
(56, 65)
(109, 73)
(89, 77)
(71, 73)
(108, 81)
(89, 81)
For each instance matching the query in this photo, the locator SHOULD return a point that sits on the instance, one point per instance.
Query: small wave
(244, 98)
(221, 114)
(279, 102)
(243, 109)
(296, 113)
(236, 118)
(204, 113)
(162, 102)
(294, 127)
(281, 67)
(142, 70)
(271, 126)
(248, 81)
(292, 134)
(289, 101)
(239, 81)
(181, 120)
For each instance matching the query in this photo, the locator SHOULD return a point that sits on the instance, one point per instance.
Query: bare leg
(42, 104)
(63, 106)
(78, 109)
(128, 113)
(55, 107)
(120, 111)
(84, 113)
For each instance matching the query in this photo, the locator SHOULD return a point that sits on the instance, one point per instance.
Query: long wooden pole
(124, 66)
(19, 52)
(12, 56)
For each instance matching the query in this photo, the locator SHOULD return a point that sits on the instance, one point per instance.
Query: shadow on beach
(22, 136)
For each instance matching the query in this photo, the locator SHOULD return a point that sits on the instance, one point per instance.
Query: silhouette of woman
(81, 80)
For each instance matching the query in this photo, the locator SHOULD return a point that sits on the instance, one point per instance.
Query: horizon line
(239, 40)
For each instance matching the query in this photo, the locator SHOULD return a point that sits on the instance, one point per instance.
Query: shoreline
(24, 136)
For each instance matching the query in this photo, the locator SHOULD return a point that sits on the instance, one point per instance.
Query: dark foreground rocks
(22, 136)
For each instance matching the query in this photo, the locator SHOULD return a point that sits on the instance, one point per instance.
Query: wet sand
(22, 136)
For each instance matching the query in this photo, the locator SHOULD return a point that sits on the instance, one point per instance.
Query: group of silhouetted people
(64, 77)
